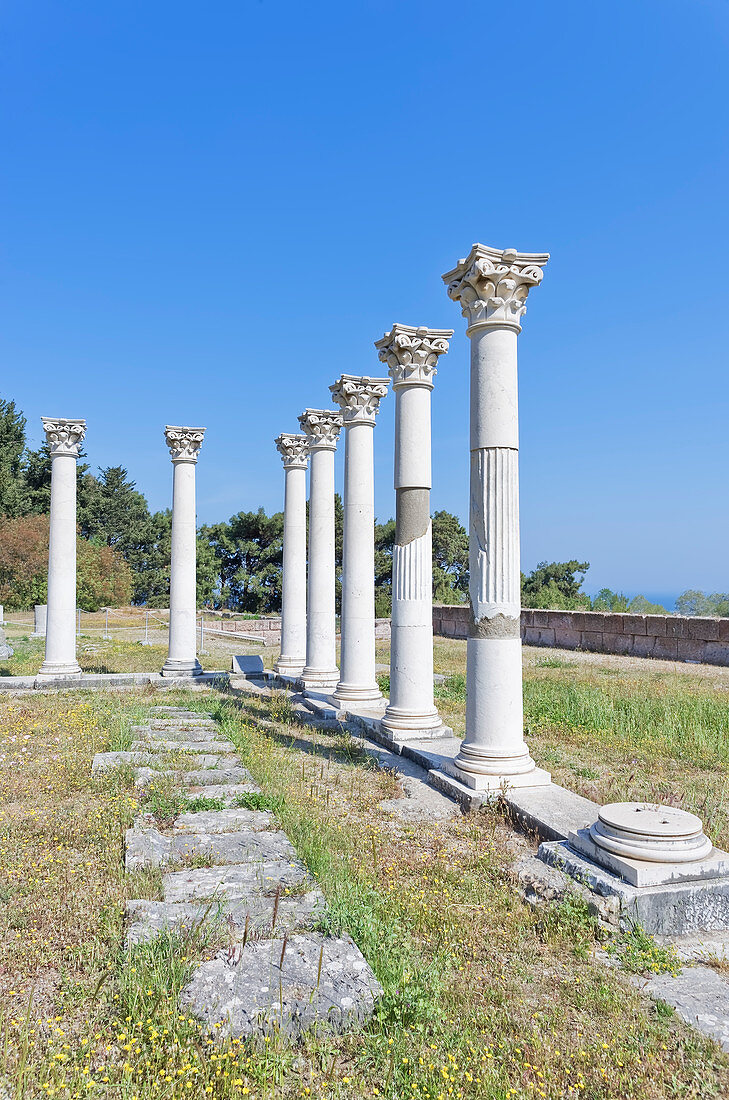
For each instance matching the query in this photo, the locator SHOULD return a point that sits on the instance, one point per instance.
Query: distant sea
(666, 599)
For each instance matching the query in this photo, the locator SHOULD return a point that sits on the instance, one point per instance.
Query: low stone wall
(670, 637)
(269, 630)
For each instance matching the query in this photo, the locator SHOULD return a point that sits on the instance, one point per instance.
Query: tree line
(124, 549)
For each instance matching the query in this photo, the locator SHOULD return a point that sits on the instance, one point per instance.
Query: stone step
(176, 734)
(148, 847)
(227, 791)
(107, 761)
(283, 987)
(179, 712)
(238, 883)
(146, 919)
(183, 723)
(223, 821)
(205, 777)
(152, 745)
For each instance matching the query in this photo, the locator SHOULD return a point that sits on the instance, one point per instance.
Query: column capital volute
(359, 396)
(492, 285)
(294, 450)
(412, 353)
(184, 443)
(322, 427)
(64, 435)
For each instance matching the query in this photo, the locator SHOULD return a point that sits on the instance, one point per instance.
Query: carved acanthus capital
(492, 284)
(359, 397)
(64, 436)
(294, 450)
(184, 443)
(322, 426)
(411, 353)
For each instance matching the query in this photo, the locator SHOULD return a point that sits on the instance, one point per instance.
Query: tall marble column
(64, 438)
(322, 427)
(359, 399)
(184, 444)
(491, 286)
(411, 355)
(294, 450)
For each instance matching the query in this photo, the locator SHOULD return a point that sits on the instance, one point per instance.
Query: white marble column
(491, 286)
(411, 355)
(294, 450)
(64, 438)
(184, 444)
(322, 427)
(359, 399)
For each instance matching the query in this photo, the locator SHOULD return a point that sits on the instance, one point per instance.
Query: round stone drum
(643, 830)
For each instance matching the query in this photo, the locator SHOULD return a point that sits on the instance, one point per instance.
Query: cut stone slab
(173, 734)
(179, 712)
(552, 812)
(699, 995)
(150, 745)
(679, 908)
(215, 776)
(284, 987)
(148, 847)
(247, 666)
(107, 761)
(227, 791)
(223, 821)
(237, 883)
(183, 723)
(146, 919)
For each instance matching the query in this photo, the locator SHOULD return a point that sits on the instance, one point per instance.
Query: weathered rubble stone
(250, 917)
(287, 987)
(148, 847)
(240, 882)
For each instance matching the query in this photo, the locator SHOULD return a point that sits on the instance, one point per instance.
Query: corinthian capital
(492, 284)
(294, 450)
(411, 353)
(63, 436)
(322, 426)
(359, 397)
(184, 443)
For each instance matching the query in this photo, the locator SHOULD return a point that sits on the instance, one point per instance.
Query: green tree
(13, 487)
(248, 549)
(450, 559)
(555, 585)
(607, 600)
(693, 602)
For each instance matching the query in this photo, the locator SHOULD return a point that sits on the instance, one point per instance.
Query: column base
(177, 668)
(289, 666)
(408, 725)
(320, 679)
(356, 693)
(496, 781)
(55, 671)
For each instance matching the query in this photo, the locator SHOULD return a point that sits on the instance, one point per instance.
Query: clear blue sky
(212, 210)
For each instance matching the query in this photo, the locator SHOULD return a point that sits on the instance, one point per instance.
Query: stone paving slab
(216, 776)
(150, 745)
(223, 821)
(107, 761)
(227, 791)
(252, 917)
(284, 987)
(240, 882)
(174, 733)
(699, 995)
(148, 847)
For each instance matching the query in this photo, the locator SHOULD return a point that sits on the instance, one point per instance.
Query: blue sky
(211, 211)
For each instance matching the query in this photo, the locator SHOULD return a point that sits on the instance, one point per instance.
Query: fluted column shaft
(320, 673)
(295, 453)
(492, 287)
(411, 354)
(359, 399)
(184, 444)
(64, 438)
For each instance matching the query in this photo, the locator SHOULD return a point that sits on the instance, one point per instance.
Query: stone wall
(670, 637)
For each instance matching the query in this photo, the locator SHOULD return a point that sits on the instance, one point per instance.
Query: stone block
(531, 635)
(634, 624)
(527, 616)
(642, 645)
(566, 638)
(666, 649)
(704, 628)
(592, 641)
(247, 666)
(612, 623)
(716, 653)
(617, 643)
(237, 882)
(689, 649)
(724, 630)
(677, 626)
(656, 625)
(541, 618)
(148, 847)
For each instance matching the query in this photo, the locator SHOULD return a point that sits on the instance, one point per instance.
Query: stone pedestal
(184, 444)
(40, 615)
(411, 355)
(492, 286)
(320, 674)
(359, 399)
(294, 449)
(64, 439)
